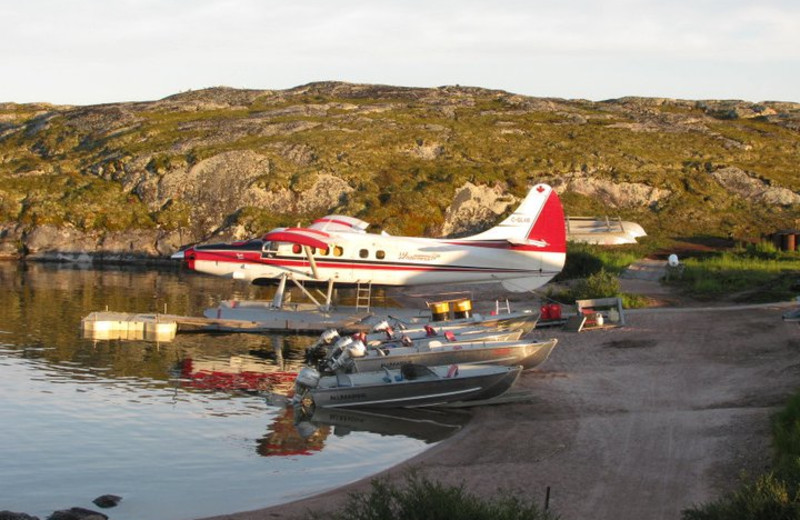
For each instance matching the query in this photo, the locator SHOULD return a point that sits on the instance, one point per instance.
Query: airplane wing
(303, 236)
(340, 223)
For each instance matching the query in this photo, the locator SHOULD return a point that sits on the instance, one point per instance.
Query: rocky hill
(140, 179)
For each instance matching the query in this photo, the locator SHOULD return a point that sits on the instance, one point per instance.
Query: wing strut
(312, 262)
(277, 301)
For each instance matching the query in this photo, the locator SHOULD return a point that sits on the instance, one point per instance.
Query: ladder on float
(363, 295)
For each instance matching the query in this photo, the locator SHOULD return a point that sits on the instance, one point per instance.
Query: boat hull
(474, 383)
(486, 334)
(517, 320)
(528, 354)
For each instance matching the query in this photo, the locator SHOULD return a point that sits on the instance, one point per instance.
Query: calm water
(177, 429)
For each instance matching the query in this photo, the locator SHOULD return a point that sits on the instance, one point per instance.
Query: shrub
(768, 498)
(601, 284)
(786, 440)
(423, 499)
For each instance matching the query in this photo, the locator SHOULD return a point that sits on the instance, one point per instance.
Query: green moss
(485, 137)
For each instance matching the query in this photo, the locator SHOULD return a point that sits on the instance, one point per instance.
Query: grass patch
(594, 271)
(584, 260)
(419, 498)
(752, 273)
(774, 495)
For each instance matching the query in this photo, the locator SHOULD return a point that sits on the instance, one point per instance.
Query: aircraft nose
(183, 254)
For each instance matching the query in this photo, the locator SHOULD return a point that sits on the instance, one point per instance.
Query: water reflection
(84, 418)
(287, 438)
(299, 431)
(254, 371)
(427, 425)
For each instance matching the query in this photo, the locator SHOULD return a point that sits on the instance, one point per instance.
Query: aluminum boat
(409, 386)
(349, 354)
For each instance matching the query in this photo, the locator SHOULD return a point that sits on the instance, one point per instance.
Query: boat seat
(449, 335)
(343, 380)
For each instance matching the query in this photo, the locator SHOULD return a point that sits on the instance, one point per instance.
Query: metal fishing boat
(411, 385)
(457, 316)
(349, 354)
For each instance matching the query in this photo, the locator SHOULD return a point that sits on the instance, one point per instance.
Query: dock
(123, 325)
(233, 316)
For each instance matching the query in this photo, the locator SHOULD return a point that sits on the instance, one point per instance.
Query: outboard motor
(329, 336)
(345, 350)
(381, 326)
(384, 327)
(317, 352)
(307, 380)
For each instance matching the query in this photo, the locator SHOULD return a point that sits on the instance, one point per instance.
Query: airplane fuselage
(523, 252)
(360, 258)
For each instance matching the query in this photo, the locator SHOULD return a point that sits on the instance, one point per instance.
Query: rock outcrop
(137, 180)
(751, 188)
(612, 195)
(475, 208)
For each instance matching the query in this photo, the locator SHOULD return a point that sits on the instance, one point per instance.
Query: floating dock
(231, 316)
(122, 325)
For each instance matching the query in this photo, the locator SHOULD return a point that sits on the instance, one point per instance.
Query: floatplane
(523, 252)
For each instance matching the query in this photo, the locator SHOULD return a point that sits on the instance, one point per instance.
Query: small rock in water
(10, 515)
(77, 513)
(107, 501)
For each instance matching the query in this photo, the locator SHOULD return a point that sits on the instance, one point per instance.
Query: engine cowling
(307, 379)
(345, 352)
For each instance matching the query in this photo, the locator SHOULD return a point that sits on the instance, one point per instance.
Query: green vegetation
(584, 260)
(771, 496)
(593, 272)
(404, 150)
(423, 499)
(752, 273)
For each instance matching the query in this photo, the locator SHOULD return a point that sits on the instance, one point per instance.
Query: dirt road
(636, 422)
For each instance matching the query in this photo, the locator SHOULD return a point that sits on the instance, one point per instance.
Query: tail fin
(537, 222)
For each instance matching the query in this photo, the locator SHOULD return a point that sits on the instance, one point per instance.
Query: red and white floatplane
(523, 252)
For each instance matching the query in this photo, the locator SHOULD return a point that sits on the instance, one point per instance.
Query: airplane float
(523, 252)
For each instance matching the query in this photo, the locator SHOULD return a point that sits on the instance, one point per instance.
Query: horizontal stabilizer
(527, 242)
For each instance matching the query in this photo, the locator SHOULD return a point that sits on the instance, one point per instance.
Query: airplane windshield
(267, 249)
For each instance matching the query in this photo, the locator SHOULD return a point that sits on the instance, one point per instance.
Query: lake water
(177, 429)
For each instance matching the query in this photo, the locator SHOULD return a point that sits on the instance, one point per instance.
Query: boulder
(77, 513)
(10, 515)
(107, 501)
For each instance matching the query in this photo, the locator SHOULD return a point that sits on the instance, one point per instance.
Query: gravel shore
(640, 421)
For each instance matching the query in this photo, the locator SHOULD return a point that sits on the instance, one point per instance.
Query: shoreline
(641, 421)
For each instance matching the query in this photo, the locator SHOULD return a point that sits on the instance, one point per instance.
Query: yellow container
(462, 309)
(440, 311)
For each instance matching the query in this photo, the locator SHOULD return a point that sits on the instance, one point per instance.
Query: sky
(84, 52)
